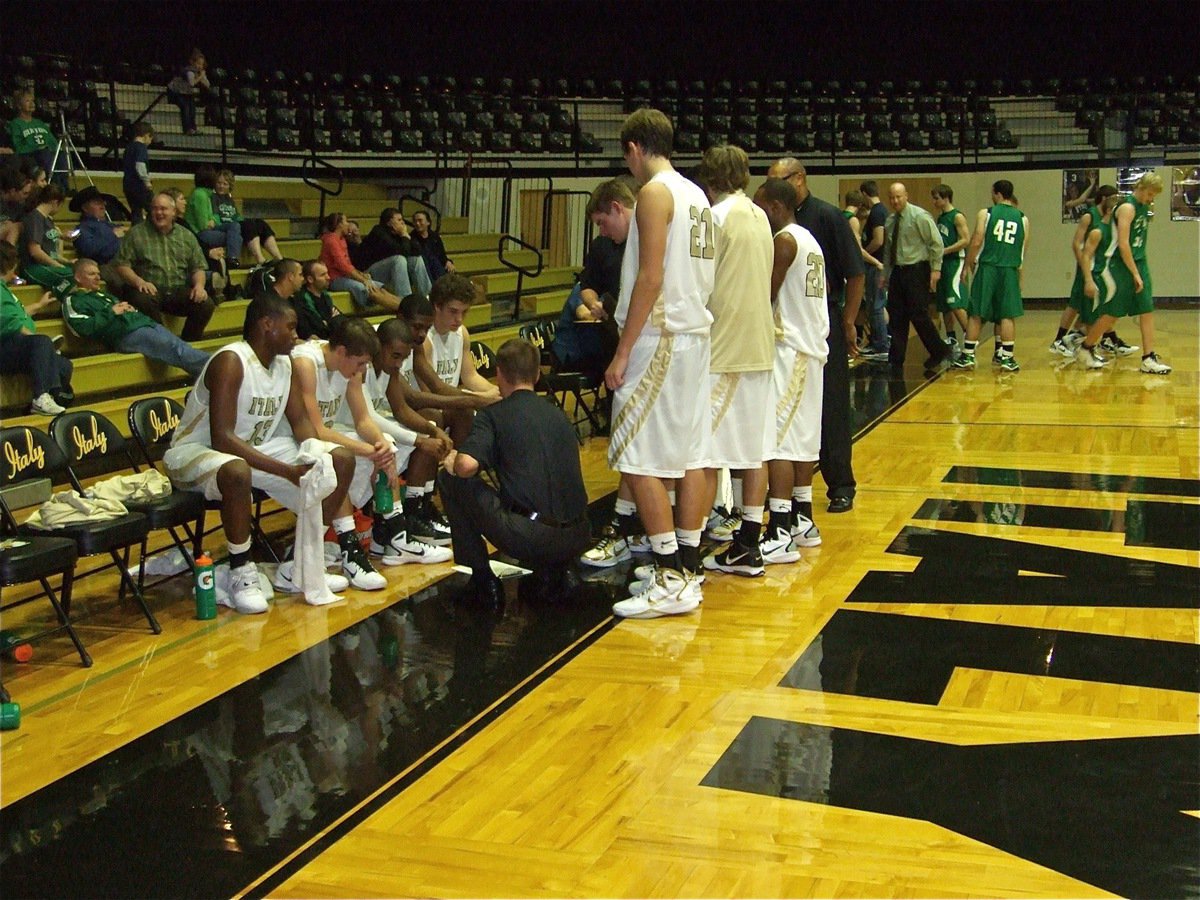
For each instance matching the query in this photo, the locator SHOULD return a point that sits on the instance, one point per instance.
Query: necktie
(893, 245)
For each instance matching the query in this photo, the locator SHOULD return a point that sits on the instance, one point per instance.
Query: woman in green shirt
(202, 220)
(256, 233)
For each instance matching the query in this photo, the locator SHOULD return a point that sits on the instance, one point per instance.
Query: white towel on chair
(316, 484)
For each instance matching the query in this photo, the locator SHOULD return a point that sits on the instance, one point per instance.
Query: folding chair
(92, 445)
(561, 382)
(152, 423)
(38, 456)
(25, 558)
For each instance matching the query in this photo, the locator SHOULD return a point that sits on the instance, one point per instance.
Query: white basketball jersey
(447, 354)
(801, 312)
(375, 386)
(260, 404)
(331, 386)
(408, 373)
(689, 266)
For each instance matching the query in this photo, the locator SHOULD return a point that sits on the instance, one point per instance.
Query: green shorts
(996, 294)
(49, 277)
(951, 291)
(1088, 309)
(1124, 300)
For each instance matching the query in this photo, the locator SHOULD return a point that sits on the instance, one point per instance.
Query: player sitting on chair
(329, 376)
(231, 438)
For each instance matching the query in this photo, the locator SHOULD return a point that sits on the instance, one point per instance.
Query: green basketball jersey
(1139, 229)
(1106, 250)
(945, 227)
(1003, 237)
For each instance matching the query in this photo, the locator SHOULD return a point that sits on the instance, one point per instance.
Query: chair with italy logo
(152, 423)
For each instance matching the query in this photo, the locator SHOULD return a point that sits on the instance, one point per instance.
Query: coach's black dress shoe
(841, 504)
(486, 591)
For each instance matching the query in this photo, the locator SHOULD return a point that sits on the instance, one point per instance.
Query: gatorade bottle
(10, 716)
(383, 495)
(206, 589)
(14, 648)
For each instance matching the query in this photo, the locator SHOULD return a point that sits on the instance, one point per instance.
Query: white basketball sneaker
(669, 594)
(245, 593)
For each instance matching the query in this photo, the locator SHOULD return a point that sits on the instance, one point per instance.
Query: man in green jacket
(90, 311)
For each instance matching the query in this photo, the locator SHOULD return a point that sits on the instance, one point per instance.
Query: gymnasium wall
(1174, 248)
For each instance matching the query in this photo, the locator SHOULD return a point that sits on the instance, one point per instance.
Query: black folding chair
(152, 423)
(25, 558)
(93, 445)
(40, 457)
(560, 382)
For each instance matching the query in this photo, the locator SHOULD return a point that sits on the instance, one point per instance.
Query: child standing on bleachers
(136, 180)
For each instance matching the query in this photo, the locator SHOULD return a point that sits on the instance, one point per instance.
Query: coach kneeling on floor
(539, 516)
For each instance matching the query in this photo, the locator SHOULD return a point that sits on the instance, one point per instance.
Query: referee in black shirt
(845, 275)
(539, 515)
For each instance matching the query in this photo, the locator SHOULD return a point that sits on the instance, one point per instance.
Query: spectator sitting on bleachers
(15, 186)
(343, 274)
(163, 269)
(379, 263)
(90, 311)
(136, 167)
(204, 222)
(41, 241)
(30, 138)
(25, 351)
(218, 277)
(388, 252)
(314, 305)
(184, 87)
(97, 238)
(285, 279)
(432, 248)
(256, 233)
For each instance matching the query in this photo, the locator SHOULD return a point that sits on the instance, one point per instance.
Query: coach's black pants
(476, 512)
(908, 303)
(836, 467)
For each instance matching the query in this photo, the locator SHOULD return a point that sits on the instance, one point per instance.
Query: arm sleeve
(12, 315)
(933, 240)
(337, 258)
(196, 257)
(126, 253)
(481, 442)
(587, 278)
(199, 210)
(83, 316)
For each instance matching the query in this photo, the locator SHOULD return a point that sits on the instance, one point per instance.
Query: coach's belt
(534, 516)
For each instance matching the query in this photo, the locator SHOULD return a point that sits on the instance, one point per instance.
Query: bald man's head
(897, 196)
(792, 171)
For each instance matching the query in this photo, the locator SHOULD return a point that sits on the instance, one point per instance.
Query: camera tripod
(65, 149)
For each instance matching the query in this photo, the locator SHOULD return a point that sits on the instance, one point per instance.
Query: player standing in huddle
(661, 423)
(951, 289)
(998, 248)
(798, 294)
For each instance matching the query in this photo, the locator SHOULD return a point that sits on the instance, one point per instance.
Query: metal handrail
(520, 270)
(311, 163)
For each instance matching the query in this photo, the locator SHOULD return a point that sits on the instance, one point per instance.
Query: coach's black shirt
(602, 268)
(532, 447)
(843, 256)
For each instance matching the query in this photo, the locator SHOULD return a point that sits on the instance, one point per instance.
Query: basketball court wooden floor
(984, 683)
